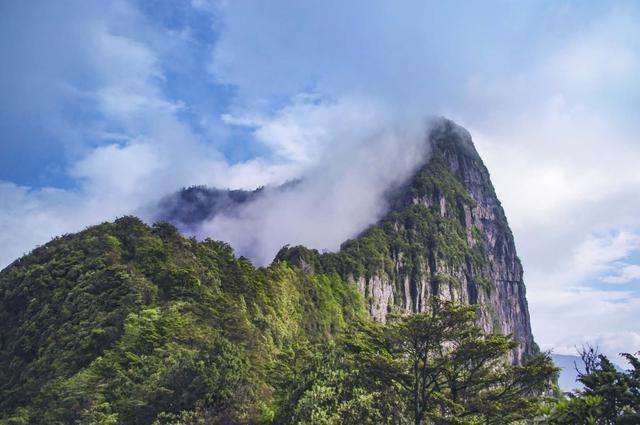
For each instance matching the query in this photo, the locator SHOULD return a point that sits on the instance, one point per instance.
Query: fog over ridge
(334, 200)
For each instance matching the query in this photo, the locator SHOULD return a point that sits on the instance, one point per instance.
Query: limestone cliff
(127, 323)
(445, 236)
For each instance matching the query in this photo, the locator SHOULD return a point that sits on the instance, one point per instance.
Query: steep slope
(446, 236)
(123, 323)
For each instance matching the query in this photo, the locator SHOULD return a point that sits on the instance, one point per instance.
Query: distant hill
(191, 206)
(568, 374)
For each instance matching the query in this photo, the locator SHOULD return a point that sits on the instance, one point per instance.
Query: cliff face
(491, 273)
(446, 236)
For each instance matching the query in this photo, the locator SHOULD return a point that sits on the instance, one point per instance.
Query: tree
(436, 367)
(610, 396)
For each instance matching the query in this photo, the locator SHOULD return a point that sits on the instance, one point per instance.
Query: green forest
(126, 323)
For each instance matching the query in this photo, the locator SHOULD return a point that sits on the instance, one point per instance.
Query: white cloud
(569, 316)
(604, 54)
(596, 254)
(625, 274)
(30, 218)
(568, 311)
(348, 154)
(562, 149)
(156, 151)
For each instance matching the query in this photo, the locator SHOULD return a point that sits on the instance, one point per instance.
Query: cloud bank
(353, 154)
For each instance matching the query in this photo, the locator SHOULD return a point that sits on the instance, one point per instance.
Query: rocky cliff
(127, 323)
(445, 236)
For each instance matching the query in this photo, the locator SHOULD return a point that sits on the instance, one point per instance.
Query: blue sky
(107, 106)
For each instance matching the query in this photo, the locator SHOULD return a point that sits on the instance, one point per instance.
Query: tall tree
(437, 367)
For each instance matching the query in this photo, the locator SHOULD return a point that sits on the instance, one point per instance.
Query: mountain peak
(445, 236)
(124, 299)
(445, 134)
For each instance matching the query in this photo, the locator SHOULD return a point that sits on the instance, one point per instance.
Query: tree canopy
(609, 396)
(126, 323)
(436, 367)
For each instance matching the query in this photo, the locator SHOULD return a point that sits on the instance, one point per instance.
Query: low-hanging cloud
(353, 152)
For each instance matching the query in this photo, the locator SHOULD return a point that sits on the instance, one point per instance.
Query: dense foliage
(123, 323)
(429, 368)
(609, 396)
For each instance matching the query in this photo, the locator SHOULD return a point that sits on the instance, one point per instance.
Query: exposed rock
(445, 236)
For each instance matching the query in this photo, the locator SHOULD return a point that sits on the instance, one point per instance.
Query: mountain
(125, 323)
(446, 236)
(189, 207)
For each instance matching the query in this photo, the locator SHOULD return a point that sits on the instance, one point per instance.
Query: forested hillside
(121, 322)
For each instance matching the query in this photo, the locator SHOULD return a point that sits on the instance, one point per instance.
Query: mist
(366, 153)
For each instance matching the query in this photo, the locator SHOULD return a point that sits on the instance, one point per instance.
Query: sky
(108, 106)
